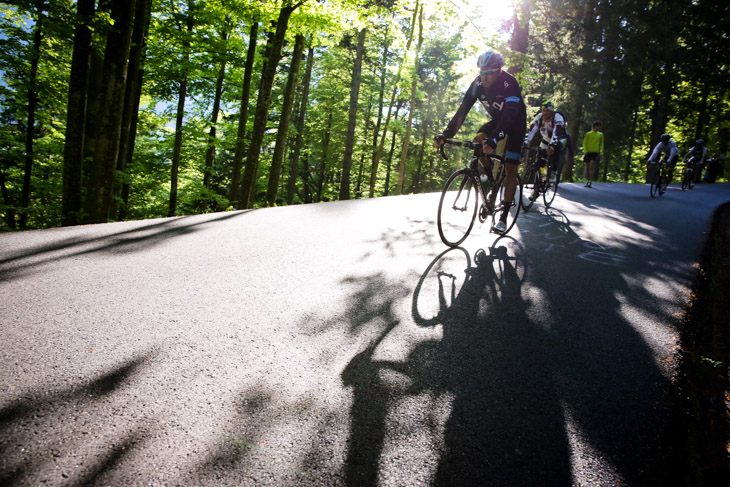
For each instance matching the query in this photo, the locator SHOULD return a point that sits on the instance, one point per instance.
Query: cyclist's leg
(482, 134)
(511, 152)
(671, 163)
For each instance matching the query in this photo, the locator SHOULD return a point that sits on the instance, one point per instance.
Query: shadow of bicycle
(480, 403)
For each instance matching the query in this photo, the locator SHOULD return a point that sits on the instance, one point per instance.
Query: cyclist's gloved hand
(489, 145)
(438, 141)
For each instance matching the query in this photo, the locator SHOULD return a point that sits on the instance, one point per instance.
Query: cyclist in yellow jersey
(593, 150)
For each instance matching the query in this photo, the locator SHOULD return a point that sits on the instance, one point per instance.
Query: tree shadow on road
(60, 421)
(56, 244)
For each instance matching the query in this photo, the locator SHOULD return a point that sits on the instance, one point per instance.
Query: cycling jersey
(552, 131)
(697, 154)
(504, 104)
(670, 150)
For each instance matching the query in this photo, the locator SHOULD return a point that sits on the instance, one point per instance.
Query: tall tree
(132, 95)
(379, 152)
(283, 130)
(273, 55)
(180, 115)
(352, 115)
(210, 152)
(301, 115)
(243, 113)
(414, 93)
(73, 152)
(32, 105)
(114, 77)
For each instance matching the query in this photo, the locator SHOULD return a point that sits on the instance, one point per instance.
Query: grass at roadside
(703, 414)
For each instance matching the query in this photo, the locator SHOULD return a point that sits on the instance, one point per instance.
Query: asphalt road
(342, 344)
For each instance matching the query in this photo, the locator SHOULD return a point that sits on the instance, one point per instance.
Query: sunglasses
(488, 72)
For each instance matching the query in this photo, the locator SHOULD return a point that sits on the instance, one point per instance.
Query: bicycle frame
(487, 198)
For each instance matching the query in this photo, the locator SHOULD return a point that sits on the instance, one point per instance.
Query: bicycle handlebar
(475, 146)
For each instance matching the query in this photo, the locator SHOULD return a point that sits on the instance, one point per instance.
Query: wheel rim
(550, 189)
(457, 208)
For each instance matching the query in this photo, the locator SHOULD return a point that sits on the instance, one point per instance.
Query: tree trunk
(109, 119)
(286, 109)
(294, 169)
(243, 114)
(379, 152)
(520, 35)
(210, 152)
(73, 149)
(182, 94)
(352, 116)
(411, 108)
(631, 145)
(323, 162)
(32, 105)
(273, 53)
(131, 100)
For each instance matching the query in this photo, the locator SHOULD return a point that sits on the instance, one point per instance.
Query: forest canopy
(129, 109)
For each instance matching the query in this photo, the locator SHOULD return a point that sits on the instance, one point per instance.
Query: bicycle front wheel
(530, 188)
(457, 208)
(664, 182)
(655, 184)
(551, 188)
(512, 206)
(691, 182)
(685, 179)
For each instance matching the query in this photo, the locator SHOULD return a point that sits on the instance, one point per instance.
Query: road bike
(464, 196)
(660, 181)
(539, 178)
(689, 174)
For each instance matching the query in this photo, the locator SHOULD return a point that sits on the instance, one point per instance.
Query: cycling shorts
(510, 147)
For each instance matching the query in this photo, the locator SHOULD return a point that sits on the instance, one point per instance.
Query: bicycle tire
(691, 179)
(531, 188)
(654, 188)
(685, 179)
(664, 182)
(514, 210)
(455, 219)
(550, 189)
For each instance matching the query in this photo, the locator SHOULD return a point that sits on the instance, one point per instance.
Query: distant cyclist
(697, 154)
(670, 150)
(500, 94)
(551, 126)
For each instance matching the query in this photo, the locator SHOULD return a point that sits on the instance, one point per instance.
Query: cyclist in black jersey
(500, 94)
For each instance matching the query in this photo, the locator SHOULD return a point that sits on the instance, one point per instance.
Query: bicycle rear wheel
(513, 205)
(457, 208)
(550, 187)
(531, 187)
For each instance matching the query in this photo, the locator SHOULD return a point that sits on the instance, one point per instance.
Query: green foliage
(594, 59)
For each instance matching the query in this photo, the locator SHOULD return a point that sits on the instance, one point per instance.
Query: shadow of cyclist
(494, 415)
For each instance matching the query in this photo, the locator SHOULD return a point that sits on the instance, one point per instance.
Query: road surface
(343, 344)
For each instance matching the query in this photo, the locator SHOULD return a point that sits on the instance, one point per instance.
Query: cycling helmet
(699, 142)
(490, 60)
(665, 138)
(548, 106)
